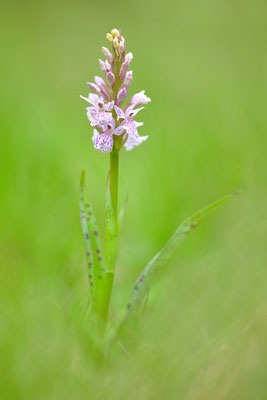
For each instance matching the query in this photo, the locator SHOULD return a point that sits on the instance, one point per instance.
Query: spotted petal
(109, 106)
(119, 130)
(119, 112)
(130, 127)
(101, 117)
(90, 112)
(104, 143)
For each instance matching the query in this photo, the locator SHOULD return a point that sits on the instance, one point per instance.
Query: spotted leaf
(90, 233)
(147, 277)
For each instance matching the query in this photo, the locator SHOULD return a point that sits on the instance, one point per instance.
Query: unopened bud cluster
(114, 124)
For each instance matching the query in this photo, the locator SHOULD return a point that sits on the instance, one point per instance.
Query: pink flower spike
(121, 95)
(108, 94)
(119, 112)
(140, 98)
(94, 87)
(110, 77)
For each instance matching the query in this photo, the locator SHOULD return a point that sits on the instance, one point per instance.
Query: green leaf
(147, 277)
(90, 233)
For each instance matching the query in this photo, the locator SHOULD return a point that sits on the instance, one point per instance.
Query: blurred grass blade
(145, 280)
(122, 213)
(90, 233)
(111, 249)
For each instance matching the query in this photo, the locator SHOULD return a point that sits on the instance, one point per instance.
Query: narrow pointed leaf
(90, 233)
(146, 278)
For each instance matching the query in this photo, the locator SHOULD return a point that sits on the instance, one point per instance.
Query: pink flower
(133, 141)
(140, 98)
(130, 126)
(128, 123)
(99, 113)
(104, 141)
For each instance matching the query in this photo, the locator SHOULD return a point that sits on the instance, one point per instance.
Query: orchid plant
(115, 127)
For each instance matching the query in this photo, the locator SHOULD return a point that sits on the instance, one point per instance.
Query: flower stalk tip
(114, 124)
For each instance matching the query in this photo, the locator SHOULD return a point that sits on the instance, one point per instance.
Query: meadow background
(203, 334)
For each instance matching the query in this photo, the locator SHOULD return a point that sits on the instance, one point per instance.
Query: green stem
(109, 276)
(114, 170)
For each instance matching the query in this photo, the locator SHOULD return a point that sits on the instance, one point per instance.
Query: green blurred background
(204, 65)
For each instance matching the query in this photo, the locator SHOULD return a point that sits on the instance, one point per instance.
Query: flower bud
(94, 87)
(121, 95)
(129, 57)
(115, 32)
(102, 66)
(122, 45)
(116, 43)
(128, 79)
(124, 68)
(110, 78)
(107, 54)
(108, 66)
(121, 48)
(109, 37)
(99, 81)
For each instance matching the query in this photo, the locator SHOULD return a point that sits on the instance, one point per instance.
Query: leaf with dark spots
(89, 229)
(148, 275)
